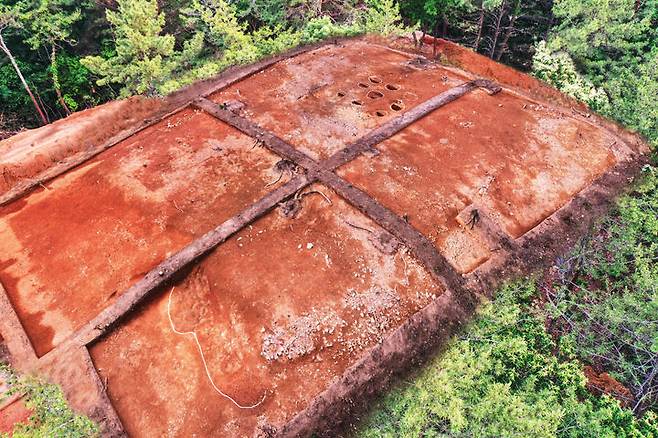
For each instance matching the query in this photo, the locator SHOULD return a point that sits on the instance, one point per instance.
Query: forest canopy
(60, 56)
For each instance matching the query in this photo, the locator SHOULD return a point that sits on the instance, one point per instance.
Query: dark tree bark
(5, 49)
(478, 38)
(444, 26)
(508, 32)
(497, 29)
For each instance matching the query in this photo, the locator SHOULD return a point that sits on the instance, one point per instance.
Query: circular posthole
(380, 113)
(375, 94)
(340, 94)
(375, 79)
(392, 87)
(363, 85)
(397, 105)
(357, 102)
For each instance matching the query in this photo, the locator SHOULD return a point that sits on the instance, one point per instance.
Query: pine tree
(144, 57)
(598, 33)
(614, 43)
(218, 21)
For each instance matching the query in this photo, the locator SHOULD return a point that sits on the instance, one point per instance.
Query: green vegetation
(51, 417)
(63, 55)
(604, 299)
(517, 370)
(74, 55)
(613, 44)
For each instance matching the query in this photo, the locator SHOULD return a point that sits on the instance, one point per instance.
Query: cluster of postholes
(375, 91)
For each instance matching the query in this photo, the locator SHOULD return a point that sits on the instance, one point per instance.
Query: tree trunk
(5, 49)
(496, 35)
(435, 37)
(444, 26)
(508, 33)
(58, 91)
(476, 46)
(43, 105)
(551, 20)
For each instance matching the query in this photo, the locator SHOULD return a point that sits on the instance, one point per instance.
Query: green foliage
(49, 21)
(606, 294)
(426, 13)
(599, 33)
(559, 70)
(51, 416)
(383, 17)
(77, 83)
(145, 61)
(217, 20)
(633, 89)
(12, 95)
(265, 13)
(613, 43)
(144, 58)
(500, 378)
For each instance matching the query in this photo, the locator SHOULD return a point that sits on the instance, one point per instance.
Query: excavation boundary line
(420, 246)
(168, 268)
(393, 126)
(26, 186)
(621, 148)
(13, 332)
(431, 326)
(438, 267)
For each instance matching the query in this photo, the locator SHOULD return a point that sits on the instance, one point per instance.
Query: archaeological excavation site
(263, 253)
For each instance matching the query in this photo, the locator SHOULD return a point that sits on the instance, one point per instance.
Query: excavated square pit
(306, 228)
(322, 100)
(515, 160)
(279, 310)
(70, 248)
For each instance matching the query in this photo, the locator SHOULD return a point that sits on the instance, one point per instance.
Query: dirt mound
(30, 152)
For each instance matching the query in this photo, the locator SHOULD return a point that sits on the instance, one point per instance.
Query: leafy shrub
(606, 294)
(144, 58)
(559, 70)
(51, 416)
(500, 378)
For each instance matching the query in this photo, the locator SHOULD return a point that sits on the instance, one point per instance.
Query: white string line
(203, 358)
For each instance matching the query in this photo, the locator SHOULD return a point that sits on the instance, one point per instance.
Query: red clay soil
(321, 100)
(30, 152)
(281, 310)
(288, 304)
(107, 222)
(13, 414)
(480, 65)
(521, 170)
(603, 383)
